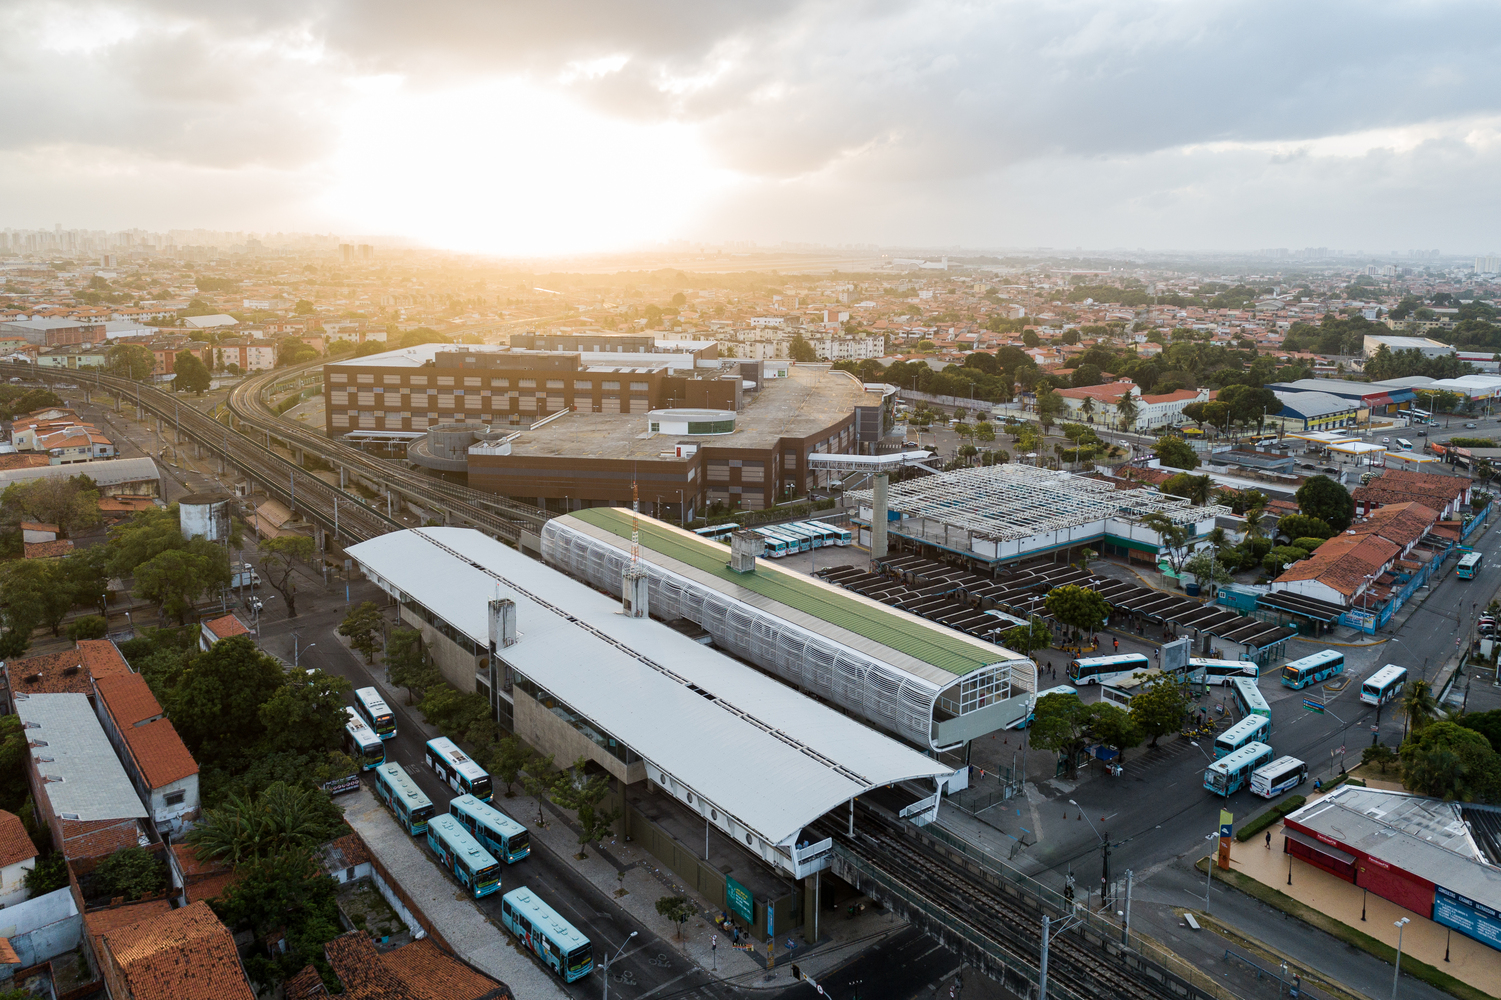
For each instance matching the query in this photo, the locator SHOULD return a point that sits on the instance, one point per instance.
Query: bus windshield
(376, 751)
(488, 875)
(422, 813)
(517, 842)
(480, 787)
(580, 958)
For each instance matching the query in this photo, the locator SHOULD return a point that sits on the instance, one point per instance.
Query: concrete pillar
(158, 426)
(878, 518)
(811, 903)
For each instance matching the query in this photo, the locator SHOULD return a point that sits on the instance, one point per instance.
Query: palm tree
(281, 818)
(1419, 706)
(1088, 408)
(1252, 526)
(1126, 410)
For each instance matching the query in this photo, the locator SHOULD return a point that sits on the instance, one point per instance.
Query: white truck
(243, 575)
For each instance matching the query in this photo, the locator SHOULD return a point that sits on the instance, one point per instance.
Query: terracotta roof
(55, 549)
(229, 625)
(418, 971)
(102, 657)
(1109, 392)
(8, 954)
(102, 922)
(204, 878)
(1171, 397)
(1402, 523)
(125, 505)
(305, 985)
(360, 970)
(23, 460)
(1344, 563)
(50, 673)
(160, 753)
(185, 954)
(39, 526)
(128, 698)
(15, 845)
(94, 838)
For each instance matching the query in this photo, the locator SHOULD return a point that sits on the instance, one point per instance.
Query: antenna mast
(635, 524)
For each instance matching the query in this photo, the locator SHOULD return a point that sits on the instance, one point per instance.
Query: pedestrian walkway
(468, 932)
(1469, 960)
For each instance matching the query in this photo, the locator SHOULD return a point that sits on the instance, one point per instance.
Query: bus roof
(459, 839)
(1241, 757)
(1136, 680)
(546, 918)
(486, 813)
(1470, 558)
(397, 777)
(461, 761)
(1277, 765)
(1385, 675)
(363, 734)
(1204, 661)
(1114, 658)
(372, 699)
(1319, 657)
(1249, 724)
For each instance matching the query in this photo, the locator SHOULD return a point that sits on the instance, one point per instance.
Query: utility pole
(1104, 866)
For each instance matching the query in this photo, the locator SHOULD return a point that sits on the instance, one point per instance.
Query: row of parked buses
(785, 539)
(472, 840)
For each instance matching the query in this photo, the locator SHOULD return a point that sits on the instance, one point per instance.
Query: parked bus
(1121, 690)
(1032, 714)
(1230, 774)
(376, 713)
(457, 769)
(547, 935)
(776, 547)
(1404, 444)
(402, 796)
(1101, 669)
(832, 533)
(361, 743)
(1251, 729)
(795, 543)
(498, 833)
(717, 532)
(1248, 697)
(462, 856)
(1384, 685)
(1278, 776)
(1222, 670)
(803, 533)
(1468, 566)
(1313, 669)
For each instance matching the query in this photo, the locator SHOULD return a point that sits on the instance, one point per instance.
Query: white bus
(832, 533)
(457, 769)
(776, 545)
(1248, 697)
(361, 743)
(1278, 776)
(1404, 444)
(1251, 729)
(1222, 670)
(376, 713)
(803, 532)
(1384, 685)
(795, 543)
(1230, 774)
(717, 532)
(1313, 669)
(1103, 669)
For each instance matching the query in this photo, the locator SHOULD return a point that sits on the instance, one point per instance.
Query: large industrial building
(1000, 514)
(916, 679)
(567, 430)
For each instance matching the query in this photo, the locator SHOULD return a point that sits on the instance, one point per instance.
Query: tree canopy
(1327, 500)
(1077, 607)
(1177, 453)
(189, 374)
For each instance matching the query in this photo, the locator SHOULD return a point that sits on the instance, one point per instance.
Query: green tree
(407, 664)
(1308, 545)
(1281, 557)
(800, 350)
(1126, 412)
(1081, 609)
(35, 588)
(1487, 724)
(294, 352)
(189, 374)
(308, 716)
(508, 759)
(1195, 489)
(216, 703)
(1049, 405)
(147, 534)
(132, 872)
(1158, 707)
(1175, 540)
(279, 557)
(49, 875)
(303, 308)
(1177, 453)
(290, 893)
(88, 627)
(83, 572)
(1060, 725)
(1113, 727)
(362, 627)
(14, 756)
(583, 793)
(1303, 526)
(284, 817)
(1207, 569)
(1419, 706)
(678, 909)
(459, 716)
(1026, 638)
(1448, 761)
(72, 503)
(130, 361)
(175, 579)
(1323, 498)
(1379, 754)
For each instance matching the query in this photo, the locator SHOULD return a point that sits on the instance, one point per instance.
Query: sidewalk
(468, 931)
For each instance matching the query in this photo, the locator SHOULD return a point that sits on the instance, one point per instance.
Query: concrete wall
(43, 927)
(551, 735)
(456, 665)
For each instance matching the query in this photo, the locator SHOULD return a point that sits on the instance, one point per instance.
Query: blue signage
(1470, 918)
(739, 898)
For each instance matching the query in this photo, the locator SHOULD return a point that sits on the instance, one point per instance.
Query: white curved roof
(772, 758)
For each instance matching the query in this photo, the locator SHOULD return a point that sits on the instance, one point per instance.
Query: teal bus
(1220, 671)
(1248, 697)
(718, 532)
(1251, 729)
(361, 743)
(545, 934)
(1231, 774)
(1313, 669)
(462, 856)
(457, 769)
(1469, 565)
(401, 795)
(498, 833)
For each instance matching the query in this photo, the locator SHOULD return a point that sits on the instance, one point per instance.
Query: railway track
(1009, 932)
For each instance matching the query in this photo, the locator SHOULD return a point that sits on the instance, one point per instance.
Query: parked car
(1386, 440)
(1310, 468)
(1329, 471)
(1422, 434)
(1469, 426)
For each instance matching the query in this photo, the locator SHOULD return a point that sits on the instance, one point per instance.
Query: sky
(587, 125)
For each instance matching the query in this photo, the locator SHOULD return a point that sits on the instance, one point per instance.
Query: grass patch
(1256, 824)
(1344, 932)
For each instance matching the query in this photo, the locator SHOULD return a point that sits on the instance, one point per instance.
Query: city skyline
(586, 128)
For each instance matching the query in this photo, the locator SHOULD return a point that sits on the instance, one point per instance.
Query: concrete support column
(811, 902)
(878, 518)
(320, 538)
(159, 426)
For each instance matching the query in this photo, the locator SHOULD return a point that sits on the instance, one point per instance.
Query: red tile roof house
(417, 971)
(71, 671)
(1347, 566)
(1442, 493)
(184, 954)
(163, 772)
(17, 857)
(212, 631)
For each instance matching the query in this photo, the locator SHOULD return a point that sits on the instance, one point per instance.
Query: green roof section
(930, 644)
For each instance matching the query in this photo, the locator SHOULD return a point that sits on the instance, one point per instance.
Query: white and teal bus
(718, 532)
(462, 856)
(1220, 671)
(1278, 776)
(1032, 713)
(831, 534)
(1104, 669)
(361, 743)
(776, 546)
(501, 835)
(376, 713)
(1384, 685)
(1313, 669)
(1468, 565)
(546, 934)
(1251, 729)
(803, 533)
(456, 768)
(1230, 774)
(401, 795)
(1248, 697)
(795, 543)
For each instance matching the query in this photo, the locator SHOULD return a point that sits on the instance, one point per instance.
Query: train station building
(578, 673)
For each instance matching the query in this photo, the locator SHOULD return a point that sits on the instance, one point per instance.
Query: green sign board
(742, 904)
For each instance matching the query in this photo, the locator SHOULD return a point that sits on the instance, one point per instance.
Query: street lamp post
(1397, 969)
(617, 955)
(1104, 852)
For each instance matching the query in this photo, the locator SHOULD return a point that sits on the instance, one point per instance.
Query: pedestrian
(1269, 840)
(1117, 644)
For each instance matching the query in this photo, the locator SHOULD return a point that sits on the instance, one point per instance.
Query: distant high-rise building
(366, 251)
(106, 260)
(1487, 265)
(346, 252)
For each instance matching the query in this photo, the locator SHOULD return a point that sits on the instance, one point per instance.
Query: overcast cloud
(1156, 124)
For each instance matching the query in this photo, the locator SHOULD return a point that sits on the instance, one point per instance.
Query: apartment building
(250, 357)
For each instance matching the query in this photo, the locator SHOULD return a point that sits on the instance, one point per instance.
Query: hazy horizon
(593, 127)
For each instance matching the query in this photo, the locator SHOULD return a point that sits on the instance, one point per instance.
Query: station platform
(1469, 960)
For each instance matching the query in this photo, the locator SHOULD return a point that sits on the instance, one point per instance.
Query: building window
(640, 386)
(500, 383)
(555, 383)
(584, 386)
(609, 385)
(419, 380)
(472, 381)
(597, 736)
(365, 379)
(391, 379)
(445, 380)
(175, 798)
(527, 383)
